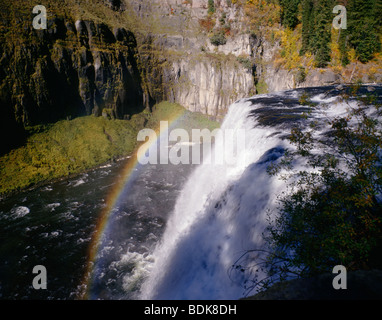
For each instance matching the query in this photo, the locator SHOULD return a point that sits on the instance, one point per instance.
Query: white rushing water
(222, 210)
(219, 214)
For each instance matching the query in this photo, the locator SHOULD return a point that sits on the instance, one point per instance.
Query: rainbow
(129, 172)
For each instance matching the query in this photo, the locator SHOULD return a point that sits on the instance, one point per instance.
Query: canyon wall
(89, 63)
(71, 69)
(204, 77)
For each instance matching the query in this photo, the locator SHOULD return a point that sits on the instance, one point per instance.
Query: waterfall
(222, 210)
(219, 214)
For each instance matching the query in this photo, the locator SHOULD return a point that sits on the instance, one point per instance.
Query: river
(53, 226)
(177, 229)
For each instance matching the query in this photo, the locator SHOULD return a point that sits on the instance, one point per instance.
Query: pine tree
(363, 19)
(378, 16)
(307, 26)
(364, 27)
(344, 47)
(289, 13)
(316, 29)
(322, 32)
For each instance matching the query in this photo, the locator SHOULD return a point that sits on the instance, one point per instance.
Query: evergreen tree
(307, 25)
(289, 13)
(322, 32)
(343, 46)
(364, 27)
(363, 19)
(316, 29)
(378, 16)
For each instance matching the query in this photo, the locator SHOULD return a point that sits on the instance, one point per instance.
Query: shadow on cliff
(69, 70)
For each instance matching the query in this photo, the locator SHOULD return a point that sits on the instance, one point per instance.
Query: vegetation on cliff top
(19, 13)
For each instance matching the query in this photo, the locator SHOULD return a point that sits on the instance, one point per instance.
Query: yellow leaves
(309, 60)
(334, 46)
(372, 72)
(262, 13)
(290, 48)
(337, 69)
(352, 55)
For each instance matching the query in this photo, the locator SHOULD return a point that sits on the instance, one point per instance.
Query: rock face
(181, 64)
(82, 67)
(281, 79)
(210, 86)
(71, 69)
(79, 68)
(201, 82)
(204, 77)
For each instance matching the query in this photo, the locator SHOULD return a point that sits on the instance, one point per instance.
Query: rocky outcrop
(73, 68)
(200, 81)
(83, 67)
(117, 5)
(210, 86)
(181, 64)
(281, 79)
(276, 78)
(204, 77)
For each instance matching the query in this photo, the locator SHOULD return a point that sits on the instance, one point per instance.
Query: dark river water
(53, 226)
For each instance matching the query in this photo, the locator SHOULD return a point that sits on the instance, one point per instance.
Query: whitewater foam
(223, 210)
(52, 206)
(214, 220)
(140, 266)
(20, 212)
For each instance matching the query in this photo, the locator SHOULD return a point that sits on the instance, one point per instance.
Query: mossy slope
(73, 146)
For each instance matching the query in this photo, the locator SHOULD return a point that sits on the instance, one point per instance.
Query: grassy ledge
(70, 147)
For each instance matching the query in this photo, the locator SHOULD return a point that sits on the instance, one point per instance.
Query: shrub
(332, 214)
(207, 24)
(218, 39)
(331, 211)
(245, 62)
(211, 7)
(301, 74)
